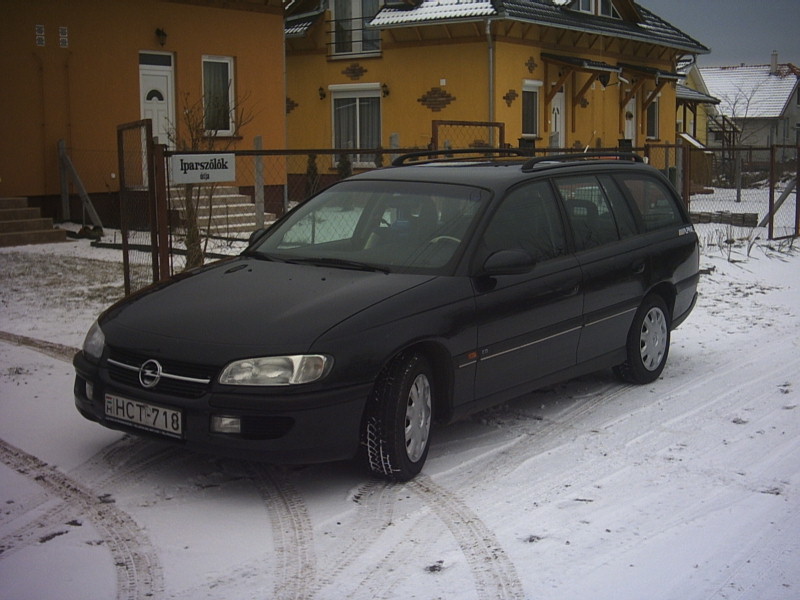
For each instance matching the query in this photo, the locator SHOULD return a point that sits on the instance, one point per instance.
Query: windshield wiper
(338, 262)
(261, 256)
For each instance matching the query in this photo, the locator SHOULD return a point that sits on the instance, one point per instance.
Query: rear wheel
(397, 425)
(648, 342)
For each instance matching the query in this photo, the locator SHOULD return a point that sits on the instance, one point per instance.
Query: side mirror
(508, 262)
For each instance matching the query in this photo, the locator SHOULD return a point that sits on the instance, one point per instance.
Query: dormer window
(604, 8)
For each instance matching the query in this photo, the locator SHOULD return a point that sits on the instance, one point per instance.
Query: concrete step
(21, 225)
(13, 202)
(230, 212)
(24, 238)
(18, 214)
(39, 224)
(221, 195)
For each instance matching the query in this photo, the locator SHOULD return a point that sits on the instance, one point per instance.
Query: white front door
(557, 118)
(157, 94)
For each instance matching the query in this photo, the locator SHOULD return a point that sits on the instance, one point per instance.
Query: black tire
(397, 422)
(648, 342)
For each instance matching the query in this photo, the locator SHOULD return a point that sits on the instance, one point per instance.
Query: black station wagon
(396, 299)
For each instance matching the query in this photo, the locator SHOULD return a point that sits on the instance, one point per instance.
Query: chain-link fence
(730, 194)
(736, 194)
(137, 191)
(212, 220)
(446, 135)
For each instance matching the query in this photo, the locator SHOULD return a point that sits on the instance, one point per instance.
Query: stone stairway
(21, 225)
(232, 214)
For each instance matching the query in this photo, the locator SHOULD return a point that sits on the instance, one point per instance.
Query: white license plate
(145, 416)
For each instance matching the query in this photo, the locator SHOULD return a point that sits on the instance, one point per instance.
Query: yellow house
(75, 70)
(695, 105)
(543, 73)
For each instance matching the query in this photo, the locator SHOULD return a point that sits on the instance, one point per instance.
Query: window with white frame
(652, 119)
(530, 108)
(357, 119)
(350, 33)
(218, 99)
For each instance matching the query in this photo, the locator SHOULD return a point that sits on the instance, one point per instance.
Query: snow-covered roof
(298, 25)
(434, 11)
(651, 29)
(752, 91)
(687, 94)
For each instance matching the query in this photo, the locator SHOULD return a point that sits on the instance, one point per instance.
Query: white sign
(202, 168)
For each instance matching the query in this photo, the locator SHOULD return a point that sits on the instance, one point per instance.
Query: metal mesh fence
(734, 193)
(136, 189)
(209, 221)
(447, 135)
(728, 194)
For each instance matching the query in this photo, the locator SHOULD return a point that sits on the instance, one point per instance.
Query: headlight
(276, 370)
(94, 342)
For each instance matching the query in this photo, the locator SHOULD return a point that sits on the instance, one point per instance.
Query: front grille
(181, 379)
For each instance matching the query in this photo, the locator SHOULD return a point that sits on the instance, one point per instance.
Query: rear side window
(589, 211)
(656, 205)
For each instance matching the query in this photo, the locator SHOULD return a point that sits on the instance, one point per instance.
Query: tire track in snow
(535, 435)
(293, 535)
(119, 464)
(138, 569)
(375, 500)
(494, 573)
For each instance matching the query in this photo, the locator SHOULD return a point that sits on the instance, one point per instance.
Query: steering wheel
(445, 238)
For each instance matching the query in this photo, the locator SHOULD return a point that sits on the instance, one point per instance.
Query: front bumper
(290, 428)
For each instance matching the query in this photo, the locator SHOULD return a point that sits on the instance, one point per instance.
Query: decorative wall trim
(436, 99)
(354, 71)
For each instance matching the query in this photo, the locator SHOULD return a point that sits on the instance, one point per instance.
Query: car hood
(246, 305)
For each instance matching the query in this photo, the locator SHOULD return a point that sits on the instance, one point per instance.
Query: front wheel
(648, 342)
(397, 423)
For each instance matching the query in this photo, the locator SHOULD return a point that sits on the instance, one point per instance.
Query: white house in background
(762, 102)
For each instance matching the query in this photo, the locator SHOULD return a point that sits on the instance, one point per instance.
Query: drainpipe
(490, 55)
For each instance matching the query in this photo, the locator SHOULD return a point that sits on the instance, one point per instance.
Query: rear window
(655, 203)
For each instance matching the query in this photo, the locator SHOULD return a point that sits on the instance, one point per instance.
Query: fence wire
(732, 192)
(210, 221)
(136, 189)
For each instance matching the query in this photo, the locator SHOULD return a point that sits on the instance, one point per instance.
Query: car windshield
(408, 227)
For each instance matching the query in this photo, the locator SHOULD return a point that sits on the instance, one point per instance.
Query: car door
(613, 259)
(528, 323)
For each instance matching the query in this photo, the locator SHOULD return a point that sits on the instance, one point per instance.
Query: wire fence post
(258, 144)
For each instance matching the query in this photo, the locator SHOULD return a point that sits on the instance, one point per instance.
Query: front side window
(350, 33)
(656, 205)
(357, 121)
(218, 105)
(528, 220)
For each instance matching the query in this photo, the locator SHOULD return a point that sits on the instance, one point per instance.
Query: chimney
(773, 65)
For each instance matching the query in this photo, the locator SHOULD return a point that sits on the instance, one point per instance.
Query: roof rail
(412, 156)
(632, 156)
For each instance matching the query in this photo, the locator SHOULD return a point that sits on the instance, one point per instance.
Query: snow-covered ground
(688, 488)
